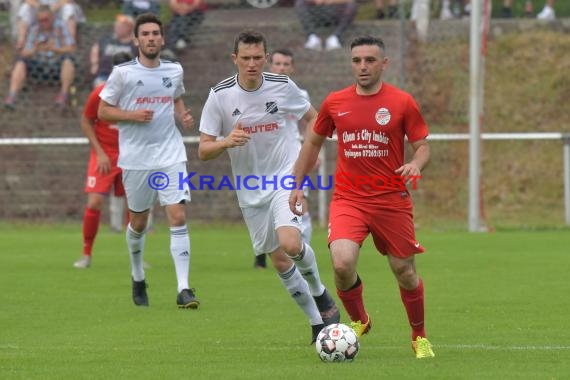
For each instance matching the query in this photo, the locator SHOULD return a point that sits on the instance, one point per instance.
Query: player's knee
(138, 222)
(343, 269)
(406, 276)
(281, 262)
(291, 245)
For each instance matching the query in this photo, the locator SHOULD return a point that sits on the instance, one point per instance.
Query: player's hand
(185, 120)
(297, 203)
(103, 164)
(142, 116)
(408, 172)
(238, 137)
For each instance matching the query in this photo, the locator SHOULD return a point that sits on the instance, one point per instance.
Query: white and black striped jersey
(263, 113)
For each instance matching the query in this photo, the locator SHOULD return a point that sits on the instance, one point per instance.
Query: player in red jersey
(371, 119)
(102, 171)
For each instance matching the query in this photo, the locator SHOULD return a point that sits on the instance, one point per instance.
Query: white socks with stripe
(299, 290)
(180, 251)
(135, 243)
(307, 265)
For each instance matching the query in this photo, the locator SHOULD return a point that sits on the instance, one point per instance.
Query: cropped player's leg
(289, 236)
(298, 289)
(174, 200)
(97, 186)
(140, 198)
(91, 218)
(412, 294)
(180, 252)
(398, 240)
(349, 287)
(135, 242)
(290, 241)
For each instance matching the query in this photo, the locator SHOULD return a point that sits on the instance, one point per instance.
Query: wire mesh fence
(47, 181)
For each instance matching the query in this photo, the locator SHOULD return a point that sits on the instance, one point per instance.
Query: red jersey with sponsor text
(370, 131)
(107, 134)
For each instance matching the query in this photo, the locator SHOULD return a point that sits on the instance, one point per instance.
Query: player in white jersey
(281, 61)
(144, 98)
(249, 111)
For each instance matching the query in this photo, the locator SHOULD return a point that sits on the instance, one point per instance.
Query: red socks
(414, 303)
(353, 303)
(90, 227)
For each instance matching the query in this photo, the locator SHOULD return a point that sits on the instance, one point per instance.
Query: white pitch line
(484, 347)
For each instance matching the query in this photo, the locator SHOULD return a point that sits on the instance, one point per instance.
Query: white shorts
(143, 187)
(262, 222)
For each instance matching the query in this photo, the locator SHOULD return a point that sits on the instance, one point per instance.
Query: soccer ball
(337, 343)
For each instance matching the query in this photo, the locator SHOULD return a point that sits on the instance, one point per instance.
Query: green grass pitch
(497, 307)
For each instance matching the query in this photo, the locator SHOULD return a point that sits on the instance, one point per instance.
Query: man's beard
(151, 56)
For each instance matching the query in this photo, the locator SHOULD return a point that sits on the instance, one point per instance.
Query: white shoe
(180, 44)
(546, 14)
(445, 14)
(314, 43)
(83, 263)
(332, 43)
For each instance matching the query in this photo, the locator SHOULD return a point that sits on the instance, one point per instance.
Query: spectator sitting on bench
(67, 11)
(46, 57)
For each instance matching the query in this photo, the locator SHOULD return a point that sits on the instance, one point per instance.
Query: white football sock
(299, 290)
(135, 243)
(307, 228)
(180, 251)
(116, 212)
(307, 265)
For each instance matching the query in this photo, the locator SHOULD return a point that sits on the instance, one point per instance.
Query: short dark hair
(44, 8)
(122, 57)
(148, 18)
(368, 40)
(249, 36)
(284, 51)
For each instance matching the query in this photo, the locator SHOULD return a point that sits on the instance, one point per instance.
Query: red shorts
(389, 220)
(102, 183)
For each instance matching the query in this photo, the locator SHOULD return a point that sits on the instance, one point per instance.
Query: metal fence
(525, 88)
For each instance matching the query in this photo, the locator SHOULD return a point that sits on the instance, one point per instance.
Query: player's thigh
(393, 228)
(347, 221)
(97, 182)
(175, 191)
(261, 229)
(140, 195)
(287, 224)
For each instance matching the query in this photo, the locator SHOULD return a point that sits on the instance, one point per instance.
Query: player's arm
(103, 161)
(306, 161)
(114, 114)
(413, 169)
(210, 147)
(182, 116)
(94, 59)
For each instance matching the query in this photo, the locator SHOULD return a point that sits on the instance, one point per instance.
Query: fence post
(322, 194)
(566, 168)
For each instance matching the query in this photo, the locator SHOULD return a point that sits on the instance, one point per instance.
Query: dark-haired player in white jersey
(249, 111)
(144, 98)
